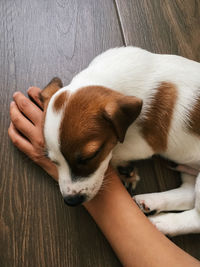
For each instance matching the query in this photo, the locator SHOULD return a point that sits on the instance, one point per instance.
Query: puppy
(129, 104)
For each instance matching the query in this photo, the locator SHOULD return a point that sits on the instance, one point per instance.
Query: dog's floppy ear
(49, 90)
(121, 113)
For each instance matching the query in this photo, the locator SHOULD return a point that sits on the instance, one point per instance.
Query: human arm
(132, 236)
(134, 239)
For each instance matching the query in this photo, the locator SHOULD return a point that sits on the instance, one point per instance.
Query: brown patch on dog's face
(60, 101)
(91, 147)
(49, 90)
(95, 119)
(156, 123)
(194, 118)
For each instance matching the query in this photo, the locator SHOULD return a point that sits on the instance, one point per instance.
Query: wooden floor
(43, 39)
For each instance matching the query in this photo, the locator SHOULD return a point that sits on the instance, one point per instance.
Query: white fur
(172, 199)
(83, 186)
(136, 72)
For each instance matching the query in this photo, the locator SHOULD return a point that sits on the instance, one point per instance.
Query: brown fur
(194, 119)
(91, 148)
(156, 123)
(87, 126)
(49, 90)
(60, 101)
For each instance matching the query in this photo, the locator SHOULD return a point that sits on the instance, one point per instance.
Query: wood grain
(171, 27)
(40, 40)
(162, 26)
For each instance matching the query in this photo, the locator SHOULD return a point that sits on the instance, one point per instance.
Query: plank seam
(120, 23)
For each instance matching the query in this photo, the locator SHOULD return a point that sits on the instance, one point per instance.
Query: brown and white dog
(129, 104)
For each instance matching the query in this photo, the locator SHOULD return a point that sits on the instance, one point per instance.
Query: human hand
(26, 129)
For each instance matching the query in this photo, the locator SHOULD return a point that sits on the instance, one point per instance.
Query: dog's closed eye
(83, 160)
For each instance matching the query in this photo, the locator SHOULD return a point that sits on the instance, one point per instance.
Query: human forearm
(133, 238)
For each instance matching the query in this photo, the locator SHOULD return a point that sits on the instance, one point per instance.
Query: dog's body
(168, 124)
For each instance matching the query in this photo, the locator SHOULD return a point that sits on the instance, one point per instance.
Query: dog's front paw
(146, 203)
(129, 176)
(165, 223)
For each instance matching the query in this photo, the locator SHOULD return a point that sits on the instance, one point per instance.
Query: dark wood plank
(162, 26)
(40, 40)
(172, 27)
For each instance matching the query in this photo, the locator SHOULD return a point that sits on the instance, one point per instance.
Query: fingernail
(15, 94)
(12, 103)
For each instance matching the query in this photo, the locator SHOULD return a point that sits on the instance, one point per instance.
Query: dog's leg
(173, 224)
(129, 175)
(180, 223)
(181, 198)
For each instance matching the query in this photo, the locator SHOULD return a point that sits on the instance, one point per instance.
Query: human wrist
(111, 181)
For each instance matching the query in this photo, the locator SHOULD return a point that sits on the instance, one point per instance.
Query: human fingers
(33, 93)
(49, 167)
(20, 142)
(35, 154)
(20, 122)
(28, 108)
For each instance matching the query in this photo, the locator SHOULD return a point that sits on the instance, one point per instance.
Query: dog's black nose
(74, 200)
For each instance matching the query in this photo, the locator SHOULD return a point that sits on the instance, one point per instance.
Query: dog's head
(81, 128)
